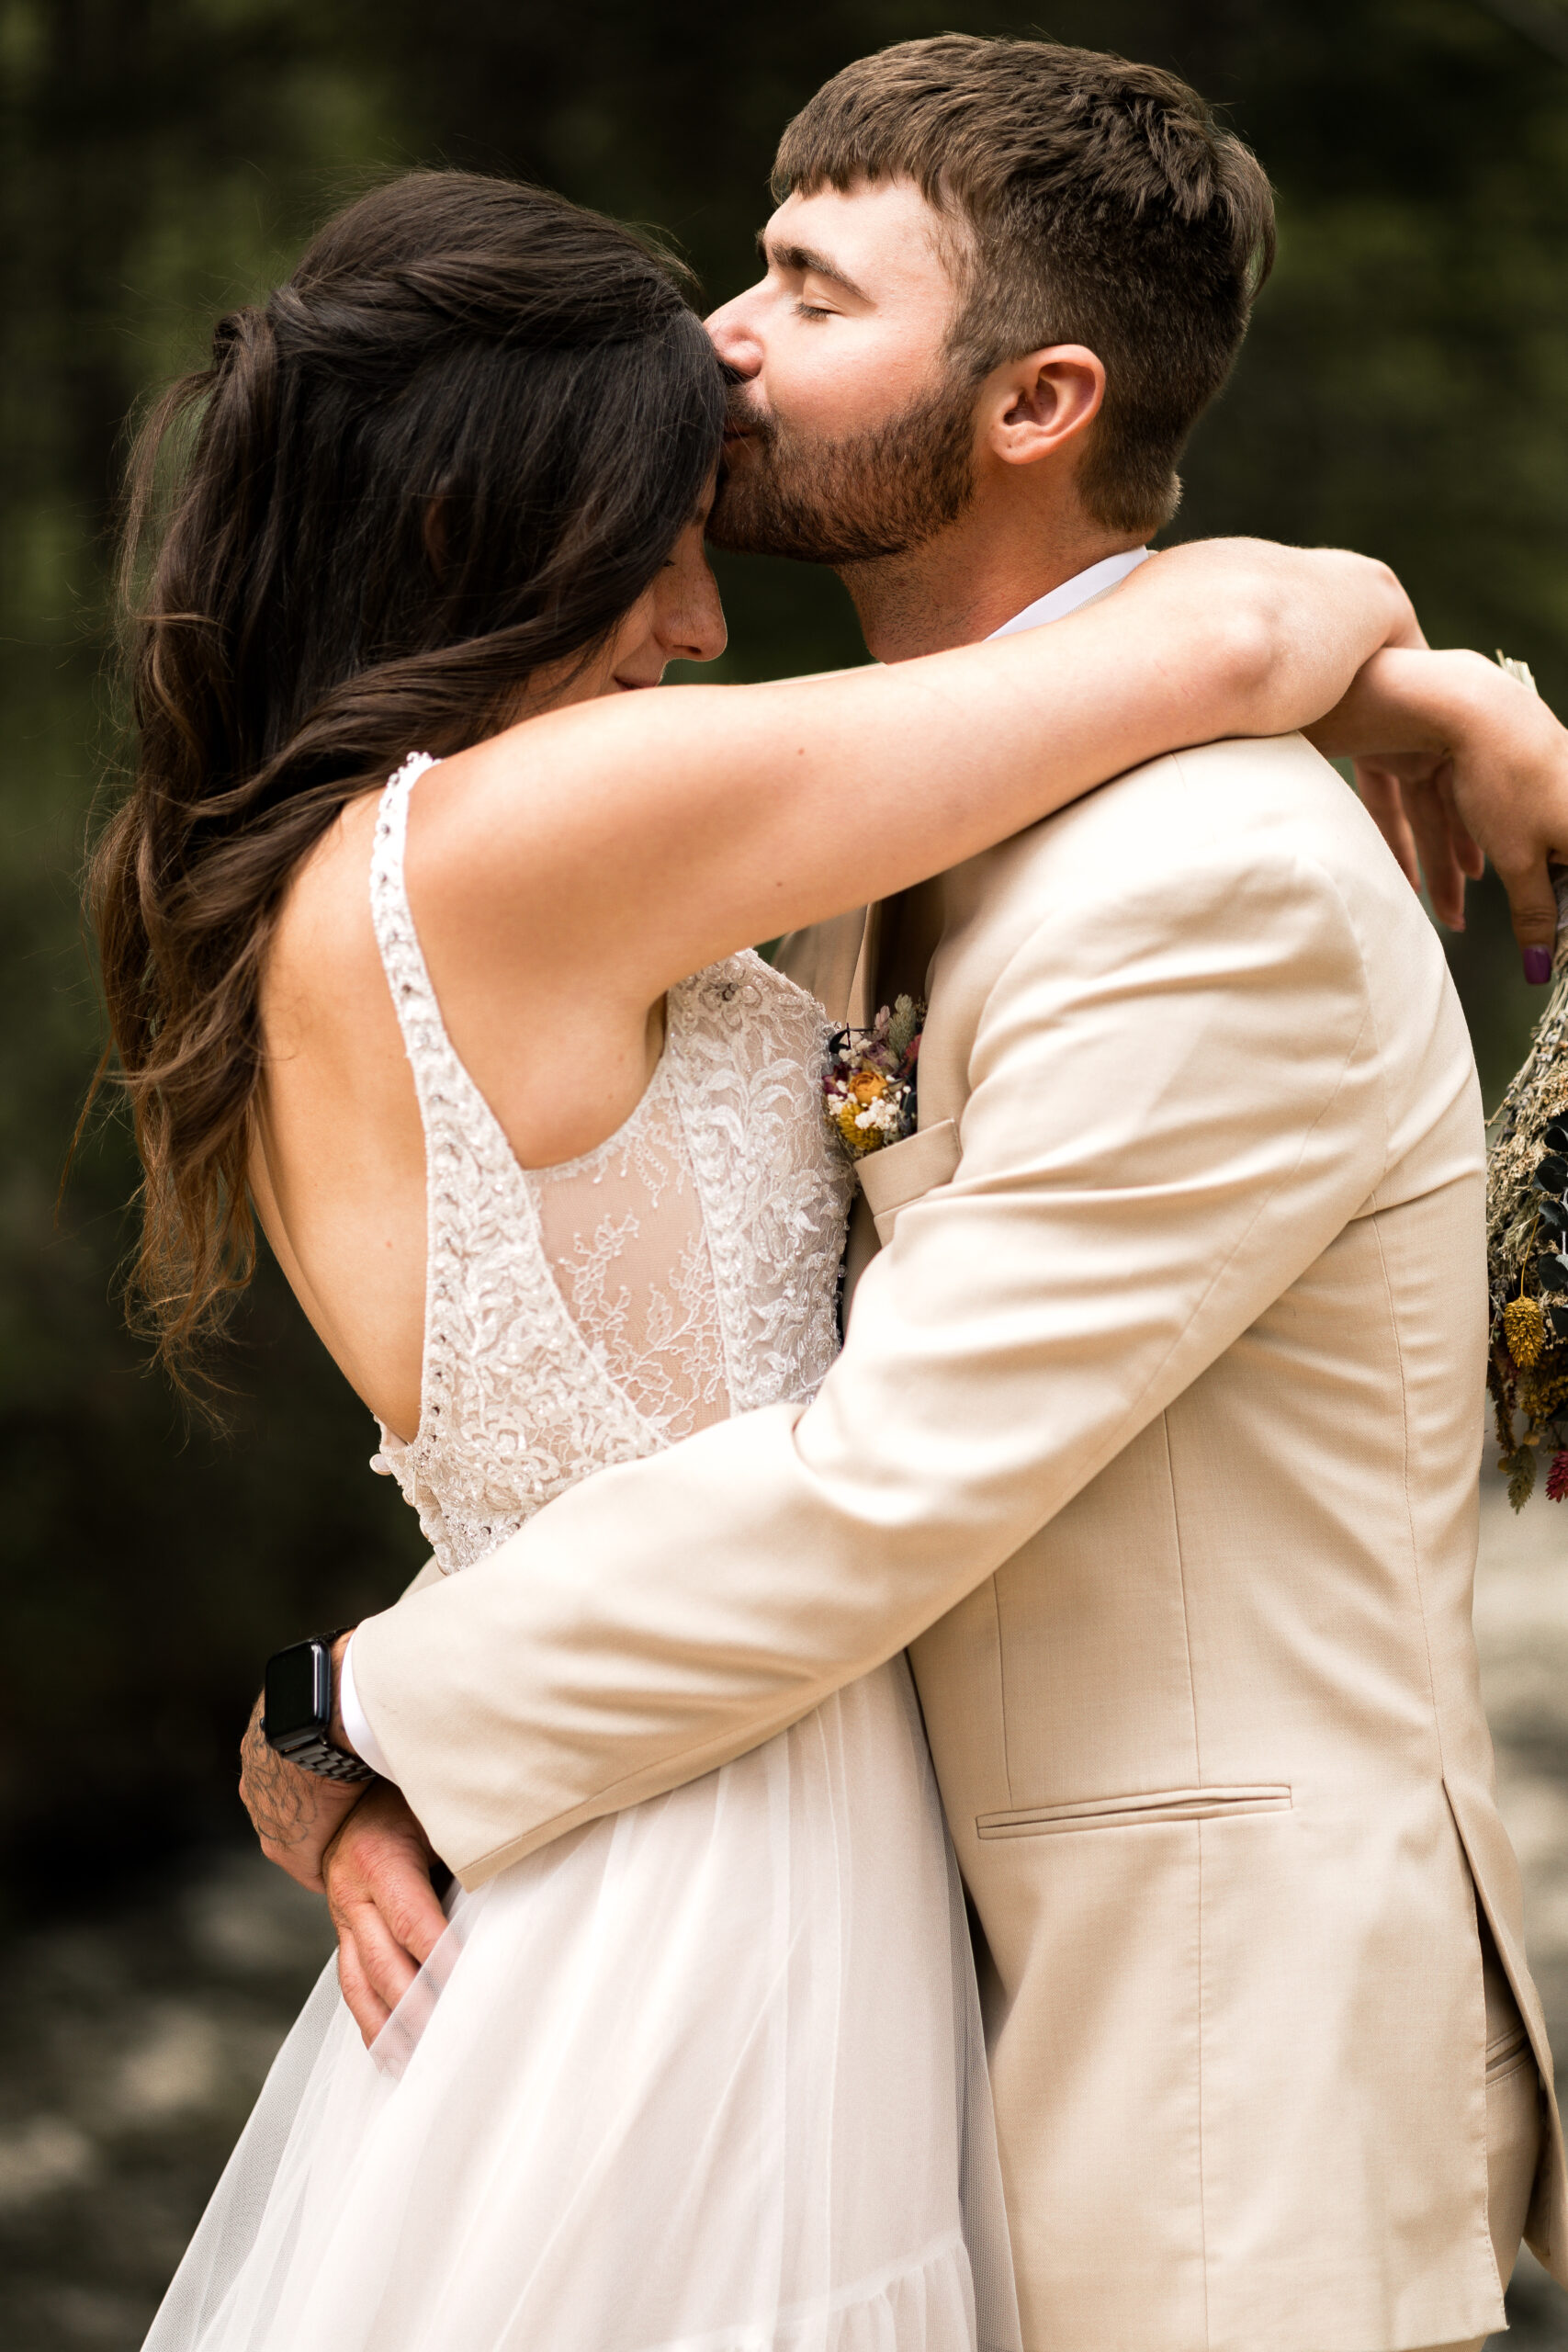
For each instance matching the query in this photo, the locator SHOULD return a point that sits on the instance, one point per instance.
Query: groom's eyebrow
(805, 260)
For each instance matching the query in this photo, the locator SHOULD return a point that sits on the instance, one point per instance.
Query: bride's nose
(691, 622)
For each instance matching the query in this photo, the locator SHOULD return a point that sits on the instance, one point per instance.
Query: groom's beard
(881, 493)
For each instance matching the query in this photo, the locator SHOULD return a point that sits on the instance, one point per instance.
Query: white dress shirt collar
(1108, 573)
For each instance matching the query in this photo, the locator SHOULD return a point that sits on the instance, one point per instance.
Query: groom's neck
(971, 579)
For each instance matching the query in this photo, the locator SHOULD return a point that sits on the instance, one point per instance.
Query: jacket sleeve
(1174, 1106)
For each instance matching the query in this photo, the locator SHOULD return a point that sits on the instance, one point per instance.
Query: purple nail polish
(1538, 965)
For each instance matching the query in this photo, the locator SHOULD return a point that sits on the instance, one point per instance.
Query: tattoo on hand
(283, 1803)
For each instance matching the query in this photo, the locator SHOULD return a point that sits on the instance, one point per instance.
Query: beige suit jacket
(1156, 1435)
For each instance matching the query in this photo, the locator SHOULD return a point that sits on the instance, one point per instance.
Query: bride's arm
(636, 839)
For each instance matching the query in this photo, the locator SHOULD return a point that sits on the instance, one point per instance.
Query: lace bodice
(590, 1313)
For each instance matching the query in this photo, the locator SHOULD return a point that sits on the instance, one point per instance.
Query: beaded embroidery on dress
(706, 2074)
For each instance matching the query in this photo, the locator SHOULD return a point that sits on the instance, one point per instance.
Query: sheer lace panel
(622, 1229)
(588, 1314)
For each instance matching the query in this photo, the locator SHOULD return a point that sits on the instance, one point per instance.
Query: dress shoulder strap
(438, 1075)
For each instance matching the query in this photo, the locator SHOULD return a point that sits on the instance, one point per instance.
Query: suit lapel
(865, 958)
(825, 960)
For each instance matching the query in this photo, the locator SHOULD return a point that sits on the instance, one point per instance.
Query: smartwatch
(296, 1711)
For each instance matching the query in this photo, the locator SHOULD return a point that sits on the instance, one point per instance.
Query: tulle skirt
(704, 2076)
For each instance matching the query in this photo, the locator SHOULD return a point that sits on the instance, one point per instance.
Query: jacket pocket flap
(1158, 1805)
(900, 1172)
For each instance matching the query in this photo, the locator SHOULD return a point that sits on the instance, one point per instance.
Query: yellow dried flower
(1543, 1391)
(860, 1140)
(1524, 1326)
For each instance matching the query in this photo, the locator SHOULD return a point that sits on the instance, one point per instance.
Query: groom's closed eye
(804, 261)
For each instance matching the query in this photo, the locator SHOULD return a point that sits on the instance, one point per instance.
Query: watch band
(319, 1756)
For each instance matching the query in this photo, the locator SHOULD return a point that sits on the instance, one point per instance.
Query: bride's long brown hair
(454, 447)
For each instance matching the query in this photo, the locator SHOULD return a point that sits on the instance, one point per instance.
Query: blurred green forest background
(1405, 390)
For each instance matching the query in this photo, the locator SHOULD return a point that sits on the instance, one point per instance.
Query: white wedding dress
(706, 2076)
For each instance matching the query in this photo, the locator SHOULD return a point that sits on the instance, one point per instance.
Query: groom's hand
(296, 1815)
(384, 1907)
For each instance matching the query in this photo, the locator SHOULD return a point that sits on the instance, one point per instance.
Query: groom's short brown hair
(1103, 205)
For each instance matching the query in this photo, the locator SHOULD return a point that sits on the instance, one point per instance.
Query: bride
(539, 1142)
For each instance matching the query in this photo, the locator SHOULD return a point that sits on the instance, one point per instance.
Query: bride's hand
(1457, 762)
(383, 1905)
(1410, 796)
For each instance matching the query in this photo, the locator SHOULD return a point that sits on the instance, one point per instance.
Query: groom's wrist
(339, 1733)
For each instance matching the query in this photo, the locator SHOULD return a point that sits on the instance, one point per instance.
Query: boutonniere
(869, 1079)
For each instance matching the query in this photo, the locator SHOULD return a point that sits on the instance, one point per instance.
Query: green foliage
(1405, 390)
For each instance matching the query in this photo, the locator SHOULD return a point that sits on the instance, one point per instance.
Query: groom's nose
(733, 329)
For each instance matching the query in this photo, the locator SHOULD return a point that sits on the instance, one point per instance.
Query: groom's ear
(1038, 406)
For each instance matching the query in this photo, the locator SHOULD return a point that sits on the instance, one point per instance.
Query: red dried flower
(1557, 1477)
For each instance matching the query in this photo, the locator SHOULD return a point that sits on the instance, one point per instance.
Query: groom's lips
(732, 453)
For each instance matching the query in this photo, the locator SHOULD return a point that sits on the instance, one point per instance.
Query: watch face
(297, 1690)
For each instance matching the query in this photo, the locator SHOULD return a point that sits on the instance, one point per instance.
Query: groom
(1155, 1430)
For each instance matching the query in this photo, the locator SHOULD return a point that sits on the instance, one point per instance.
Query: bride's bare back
(337, 1168)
